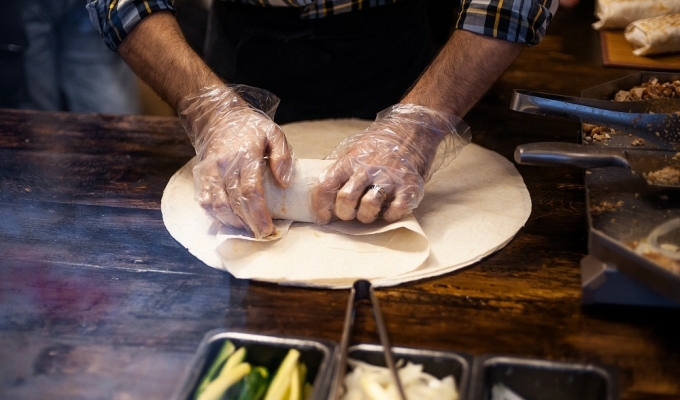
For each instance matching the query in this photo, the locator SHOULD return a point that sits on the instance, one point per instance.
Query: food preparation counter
(98, 301)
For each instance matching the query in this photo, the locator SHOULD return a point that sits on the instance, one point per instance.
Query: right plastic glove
(232, 139)
(384, 168)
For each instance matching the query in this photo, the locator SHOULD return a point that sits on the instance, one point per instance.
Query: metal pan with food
(497, 377)
(617, 235)
(240, 366)
(657, 167)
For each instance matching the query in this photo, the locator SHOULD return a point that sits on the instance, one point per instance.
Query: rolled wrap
(656, 35)
(618, 14)
(293, 203)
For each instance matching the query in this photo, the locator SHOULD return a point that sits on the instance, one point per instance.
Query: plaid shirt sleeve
(522, 21)
(114, 19)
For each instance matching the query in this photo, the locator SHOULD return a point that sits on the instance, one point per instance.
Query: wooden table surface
(98, 301)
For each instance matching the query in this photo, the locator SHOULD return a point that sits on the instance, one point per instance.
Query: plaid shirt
(523, 21)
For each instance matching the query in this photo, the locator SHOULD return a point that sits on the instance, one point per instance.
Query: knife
(642, 162)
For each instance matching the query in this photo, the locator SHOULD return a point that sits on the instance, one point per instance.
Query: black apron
(348, 65)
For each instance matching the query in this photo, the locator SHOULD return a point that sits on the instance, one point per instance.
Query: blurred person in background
(12, 47)
(66, 65)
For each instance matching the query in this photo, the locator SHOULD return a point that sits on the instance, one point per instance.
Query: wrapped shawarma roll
(294, 202)
(656, 35)
(618, 14)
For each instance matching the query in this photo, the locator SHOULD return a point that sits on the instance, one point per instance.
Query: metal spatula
(642, 162)
(656, 120)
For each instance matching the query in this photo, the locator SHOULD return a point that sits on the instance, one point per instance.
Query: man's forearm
(466, 67)
(158, 53)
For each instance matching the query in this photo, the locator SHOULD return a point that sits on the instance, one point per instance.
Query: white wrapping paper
(471, 208)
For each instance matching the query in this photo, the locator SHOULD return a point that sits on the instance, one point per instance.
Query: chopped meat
(605, 206)
(650, 90)
(665, 176)
(598, 133)
(666, 262)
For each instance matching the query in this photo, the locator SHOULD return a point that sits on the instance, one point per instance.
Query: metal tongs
(363, 290)
(656, 120)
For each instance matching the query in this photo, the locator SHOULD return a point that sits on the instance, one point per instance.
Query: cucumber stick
(281, 384)
(231, 378)
(255, 384)
(304, 386)
(233, 370)
(294, 391)
(235, 359)
(226, 378)
(227, 349)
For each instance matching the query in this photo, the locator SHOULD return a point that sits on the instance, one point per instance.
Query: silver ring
(380, 190)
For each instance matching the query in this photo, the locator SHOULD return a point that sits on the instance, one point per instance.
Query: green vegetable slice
(295, 390)
(281, 384)
(231, 378)
(305, 388)
(228, 376)
(227, 349)
(255, 385)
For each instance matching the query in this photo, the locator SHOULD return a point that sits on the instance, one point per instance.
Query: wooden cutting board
(617, 52)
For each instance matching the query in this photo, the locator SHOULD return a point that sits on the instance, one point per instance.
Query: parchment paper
(471, 208)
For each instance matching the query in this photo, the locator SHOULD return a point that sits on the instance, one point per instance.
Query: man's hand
(397, 156)
(383, 169)
(232, 139)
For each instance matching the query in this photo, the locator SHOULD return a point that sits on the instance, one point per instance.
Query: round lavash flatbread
(472, 207)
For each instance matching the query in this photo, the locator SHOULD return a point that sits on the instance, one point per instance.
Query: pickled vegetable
(231, 377)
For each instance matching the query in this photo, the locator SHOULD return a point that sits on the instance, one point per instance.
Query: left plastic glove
(383, 169)
(235, 138)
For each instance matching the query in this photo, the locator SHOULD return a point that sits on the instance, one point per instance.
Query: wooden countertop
(98, 301)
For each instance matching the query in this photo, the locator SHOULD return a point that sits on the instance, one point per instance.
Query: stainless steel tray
(267, 351)
(541, 379)
(642, 208)
(474, 375)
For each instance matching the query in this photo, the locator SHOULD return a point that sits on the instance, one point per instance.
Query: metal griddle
(613, 272)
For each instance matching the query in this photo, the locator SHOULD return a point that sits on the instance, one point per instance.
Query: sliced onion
(663, 229)
(370, 382)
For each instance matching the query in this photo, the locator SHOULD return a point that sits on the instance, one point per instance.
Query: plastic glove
(232, 139)
(384, 168)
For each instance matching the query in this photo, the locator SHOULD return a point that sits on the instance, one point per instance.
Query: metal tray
(435, 362)
(267, 351)
(643, 207)
(606, 91)
(541, 379)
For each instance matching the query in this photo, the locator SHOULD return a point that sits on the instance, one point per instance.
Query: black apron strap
(347, 65)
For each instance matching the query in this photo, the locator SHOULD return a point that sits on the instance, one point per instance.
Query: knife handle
(560, 154)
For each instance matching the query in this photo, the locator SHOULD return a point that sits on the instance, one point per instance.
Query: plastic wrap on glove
(235, 143)
(397, 154)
